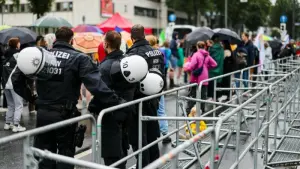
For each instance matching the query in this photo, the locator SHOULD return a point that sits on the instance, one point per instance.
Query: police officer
(151, 132)
(115, 125)
(57, 97)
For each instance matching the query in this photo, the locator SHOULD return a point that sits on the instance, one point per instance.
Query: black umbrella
(275, 44)
(199, 34)
(24, 34)
(227, 34)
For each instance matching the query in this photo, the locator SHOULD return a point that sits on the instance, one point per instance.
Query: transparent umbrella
(52, 22)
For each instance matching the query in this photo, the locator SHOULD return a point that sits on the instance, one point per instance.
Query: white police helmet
(153, 83)
(36, 61)
(134, 68)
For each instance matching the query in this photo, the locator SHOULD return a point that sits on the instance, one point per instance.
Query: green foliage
(40, 7)
(253, 14)
(284, 7)
(190, 7)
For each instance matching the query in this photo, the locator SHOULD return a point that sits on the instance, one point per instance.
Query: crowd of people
(55, 99)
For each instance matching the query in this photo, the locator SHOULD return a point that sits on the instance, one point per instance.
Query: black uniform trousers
(60, 141)
(150, 132)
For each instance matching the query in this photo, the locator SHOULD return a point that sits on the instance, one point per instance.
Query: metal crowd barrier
(271, 91)
(284, 69)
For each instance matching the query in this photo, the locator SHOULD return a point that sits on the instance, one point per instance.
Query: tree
(190, 7)
(284, 7)
(253, 14)
(40, 7)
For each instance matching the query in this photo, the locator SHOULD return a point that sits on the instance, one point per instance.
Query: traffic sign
(283, 26)
(283, 19)
(172, 17)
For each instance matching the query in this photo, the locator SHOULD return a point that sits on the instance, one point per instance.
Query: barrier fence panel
(255, 102)
(268, 94)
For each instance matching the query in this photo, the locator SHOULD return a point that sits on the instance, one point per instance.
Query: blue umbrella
(118, 29)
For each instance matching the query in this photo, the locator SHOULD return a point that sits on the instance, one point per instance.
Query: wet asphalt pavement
(11, 154)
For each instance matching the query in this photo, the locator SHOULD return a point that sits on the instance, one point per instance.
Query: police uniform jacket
(71, 70)
(114, 125)
(155, 59)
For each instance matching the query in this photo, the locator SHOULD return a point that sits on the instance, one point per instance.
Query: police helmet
(134, 68)
(37, 61)
(153, 83)
(30, 60)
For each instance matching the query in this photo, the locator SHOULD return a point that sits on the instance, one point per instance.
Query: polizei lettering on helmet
(153, 53)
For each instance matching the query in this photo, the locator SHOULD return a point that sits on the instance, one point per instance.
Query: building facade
(150, 13)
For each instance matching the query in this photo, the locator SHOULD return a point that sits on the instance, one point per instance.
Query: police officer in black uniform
(151, 132)
(57, 97)
(115, 125)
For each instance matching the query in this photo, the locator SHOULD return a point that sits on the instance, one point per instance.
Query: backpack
(197, 72)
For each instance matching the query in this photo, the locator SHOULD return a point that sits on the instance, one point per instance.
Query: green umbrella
(52, 22)
(2, 27)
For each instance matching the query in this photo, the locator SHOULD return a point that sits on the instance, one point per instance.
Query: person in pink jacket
(199, 59)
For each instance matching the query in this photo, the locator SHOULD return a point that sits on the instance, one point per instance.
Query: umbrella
(125, 35)
(87, 42)
(24, 34)
(2, 27)
(267, 38)
(227, 34)
(275, 44)
(87, 28)
(52, 21)
(199, 34)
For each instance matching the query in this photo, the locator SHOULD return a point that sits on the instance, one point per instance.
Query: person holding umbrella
(216, 51)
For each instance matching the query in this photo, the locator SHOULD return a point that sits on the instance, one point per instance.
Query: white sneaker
(33, 112)
(2, 110)
(247, 95)
(8, 126)
(79, 106)
(18, 128)
(220, 99)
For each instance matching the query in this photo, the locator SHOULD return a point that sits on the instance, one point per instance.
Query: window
(11, 8)
(22, 9)
(58, 6)
(5, 8)
(147, 12)
(64, 6)
(125, 8)
(70, 6)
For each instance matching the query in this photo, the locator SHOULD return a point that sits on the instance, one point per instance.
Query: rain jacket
(167, 56)
(197, 61)
(217, 53)
(250, 50)
(9, 67)
(173, 45)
